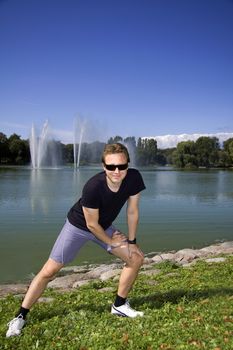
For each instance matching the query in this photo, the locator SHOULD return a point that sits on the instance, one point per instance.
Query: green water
(178, 209)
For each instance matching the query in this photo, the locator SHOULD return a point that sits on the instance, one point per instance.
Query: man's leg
(126, 281)
(66, 247)
(35, 290)
(40, 282)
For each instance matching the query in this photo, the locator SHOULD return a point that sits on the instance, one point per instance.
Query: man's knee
(136, 260)
(50, 269)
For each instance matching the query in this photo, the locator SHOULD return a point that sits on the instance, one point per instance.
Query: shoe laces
(13, 323)
(128, 304)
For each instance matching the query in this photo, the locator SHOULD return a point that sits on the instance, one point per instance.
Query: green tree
(207, 151)
(185, 155)
(4, 148)
(68, 153)
(115, 139)
(224, 159)
(228, 148)
(166, 156)
(226, 144)
(146, 152)
(19, 150)
(151, 151)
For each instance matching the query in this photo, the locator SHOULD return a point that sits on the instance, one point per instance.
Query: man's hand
(133, 248)
(117, 239)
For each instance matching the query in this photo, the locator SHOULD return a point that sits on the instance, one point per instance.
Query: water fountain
(79, 131)
(42, 148)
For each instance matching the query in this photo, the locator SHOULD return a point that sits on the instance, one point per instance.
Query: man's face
(115, 176)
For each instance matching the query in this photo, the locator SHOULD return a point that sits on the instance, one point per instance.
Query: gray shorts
(70, 241)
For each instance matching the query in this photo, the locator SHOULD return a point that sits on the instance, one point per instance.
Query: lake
(178, 209)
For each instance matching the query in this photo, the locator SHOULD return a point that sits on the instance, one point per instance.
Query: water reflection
(56, 190)
(38, 192)
(206, 186)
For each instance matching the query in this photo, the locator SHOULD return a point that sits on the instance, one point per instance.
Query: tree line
(204, 152)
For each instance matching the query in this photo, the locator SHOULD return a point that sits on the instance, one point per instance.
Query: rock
(189, 264)
(81, 283)
(45, 300)
(151, 254)
(106, 289)
(6, 289)
(172, 274)
(168, 256)
(209, 250)
(73, 269)
(185, 255)
(163, 257)
(148, 267)
(110, 274)
(215, 260)
(218, 249)
(201, 253)
(227, 244)
(65, 281)
(152, 282)
(98, 271)
(147, 261)
(153, 272)
(157, 259)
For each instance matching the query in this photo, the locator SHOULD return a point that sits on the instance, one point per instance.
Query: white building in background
(169, 141)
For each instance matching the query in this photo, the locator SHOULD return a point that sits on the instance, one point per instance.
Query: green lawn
(185, 308)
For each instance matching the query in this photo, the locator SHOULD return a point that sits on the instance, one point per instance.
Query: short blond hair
(114, 148)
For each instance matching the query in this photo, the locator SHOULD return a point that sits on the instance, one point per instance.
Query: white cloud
(169, 141)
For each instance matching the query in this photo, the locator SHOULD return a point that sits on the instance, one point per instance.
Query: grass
(185, 308)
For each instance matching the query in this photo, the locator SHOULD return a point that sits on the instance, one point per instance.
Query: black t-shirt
(97, 195)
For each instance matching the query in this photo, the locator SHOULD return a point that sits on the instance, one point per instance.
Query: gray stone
(227, 244)
(98, 271)
(215, 260)
(189, 264)
(157, 259)
(65, 281)
(153, 272)
(147, 261)
(106, 289)
(214, 249)
(45, 300)
(152, 282)
(110, 274)
(19, 288)
(185, 255)
(168, 256)
(81, 283)
(73, 269)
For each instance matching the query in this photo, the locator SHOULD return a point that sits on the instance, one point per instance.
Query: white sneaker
(15, 326)
(125, 311)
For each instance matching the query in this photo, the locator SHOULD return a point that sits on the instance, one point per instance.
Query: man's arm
(92, 222)
(132, 215)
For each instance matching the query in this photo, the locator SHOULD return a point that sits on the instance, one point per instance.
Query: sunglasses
(112, 167)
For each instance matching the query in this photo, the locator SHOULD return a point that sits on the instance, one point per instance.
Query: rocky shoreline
(72, 277)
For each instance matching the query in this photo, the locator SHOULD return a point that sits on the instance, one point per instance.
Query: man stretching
(91, 218)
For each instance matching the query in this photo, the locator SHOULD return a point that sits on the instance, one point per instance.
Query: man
(91, 218)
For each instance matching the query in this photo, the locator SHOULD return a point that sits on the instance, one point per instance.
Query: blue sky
(127, 67)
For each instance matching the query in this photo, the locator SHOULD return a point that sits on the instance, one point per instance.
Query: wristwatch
(132, 241)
